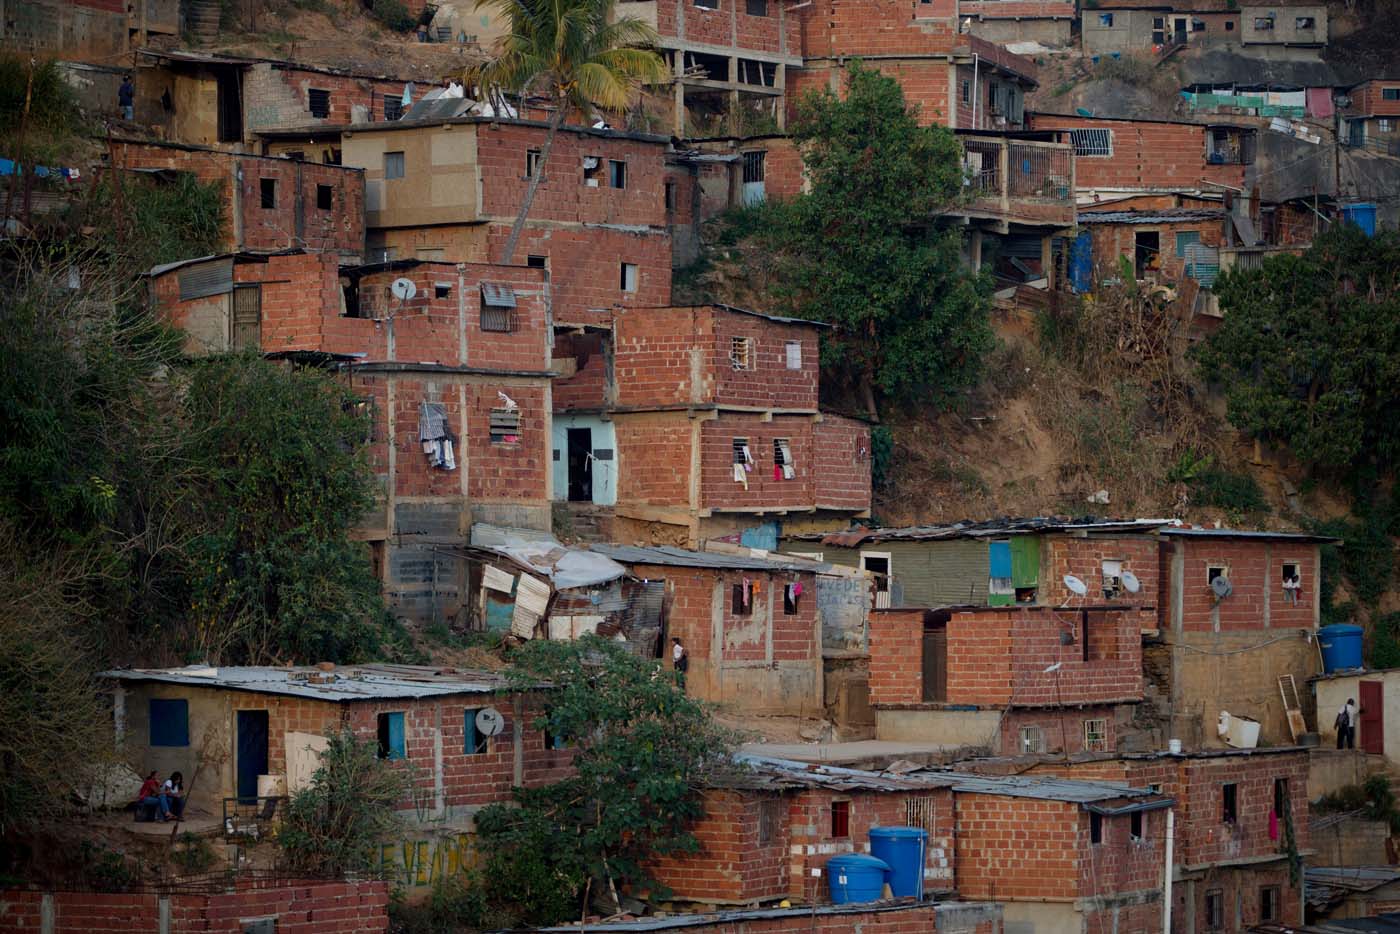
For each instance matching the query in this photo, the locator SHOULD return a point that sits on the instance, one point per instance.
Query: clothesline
(10, 167)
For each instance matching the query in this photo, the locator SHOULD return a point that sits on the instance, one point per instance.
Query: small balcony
(1018, 182)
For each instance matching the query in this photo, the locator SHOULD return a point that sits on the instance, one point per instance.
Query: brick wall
(645, 441)
(1110, 241)
(730, 26)
(841, 447)
(589, 360)
(1368, 99)
(924, 81)
(276, 96)
(1084, 558)
(1145, 155)
(309, 907)
(768, 382)
(1062, 730)
(998, 656)
(719, 489)
(833, 28)
(1256, 575)
(733, 863)
(1017, 9)
(1017, 848)
(296, 221)
(896, 656)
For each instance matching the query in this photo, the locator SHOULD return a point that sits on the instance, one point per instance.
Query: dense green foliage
(159, 222)
(333, 825)
(52, 106)
(1308, 352)
(641, 749)
(861, 248)
(394, 15)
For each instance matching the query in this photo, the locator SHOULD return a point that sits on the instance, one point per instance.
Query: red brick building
(1166, 246)
(465, 362)
(1371, 118)
(268, 203)
(450, 190)
(1081, 852)
(726, 395)
(1233, 808)
(294, 906)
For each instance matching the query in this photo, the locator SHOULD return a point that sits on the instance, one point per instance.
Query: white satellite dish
(1077, 586)
(489, 721)
(1130, 582)
(403, 289)
(1222, 587)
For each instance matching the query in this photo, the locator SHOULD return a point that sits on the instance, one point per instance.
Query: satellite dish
(403, 289)
(1222, 587)
(489, 721)
(1130, 582)
(1076, 585)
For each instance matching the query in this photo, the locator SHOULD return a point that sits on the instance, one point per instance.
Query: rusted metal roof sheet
(340, 685)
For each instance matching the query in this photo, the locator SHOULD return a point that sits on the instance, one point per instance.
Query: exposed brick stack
(896, 656)
(1083, 558)
(1368, 100)
(310, 907)
(737, 862)
(1255, 569)
(276, 95)
(1146, 154)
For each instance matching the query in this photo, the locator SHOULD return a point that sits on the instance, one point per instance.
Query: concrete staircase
(583, 523)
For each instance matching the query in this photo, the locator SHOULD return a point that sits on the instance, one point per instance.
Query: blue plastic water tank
(1341, 647)
(903, 849)
(855, 877)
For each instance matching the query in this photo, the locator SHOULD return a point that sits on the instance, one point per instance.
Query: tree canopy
(862, 248)
(1308, 351)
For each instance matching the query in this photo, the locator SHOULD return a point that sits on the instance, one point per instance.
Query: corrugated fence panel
(204, 279)
(959, 572)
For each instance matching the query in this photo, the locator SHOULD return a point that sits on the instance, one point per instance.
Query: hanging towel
(408, 95)
(1273, 825)
(797, 589)
(747, 592)
(777, 472)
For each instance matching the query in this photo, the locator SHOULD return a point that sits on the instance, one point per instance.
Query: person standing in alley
(680, 660)
(1346, 725)
(126, 97)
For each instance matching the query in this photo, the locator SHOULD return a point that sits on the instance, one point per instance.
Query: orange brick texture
(1062, 729)
(1017, 9)
(1110, 241)
(1256, 571)
(589, 387)
(654, 454)
(896, 656)
(277, 96)
(1145, 155)
(340, 228)
(1368, 99)
(469, 780)
(733, 864)
(1084, 558)
(730, 26)
(310, 907)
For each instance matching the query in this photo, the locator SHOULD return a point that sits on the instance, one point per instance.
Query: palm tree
(577, 54)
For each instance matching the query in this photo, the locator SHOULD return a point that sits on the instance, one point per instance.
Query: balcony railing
(1019, 178)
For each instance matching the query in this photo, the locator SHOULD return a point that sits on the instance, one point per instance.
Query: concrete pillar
(163, 914)
(780, 82)
(975, 249)
(1047, 259)
(733, 95)
(517, 716)
(46, 914)
(439, 793)
(679, 69)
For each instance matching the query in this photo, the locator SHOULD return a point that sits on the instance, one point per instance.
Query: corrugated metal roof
(1354, 878)
(242, 254)
(1151, 217)
(359, 682)
(778, 318)
(986, 528)
(1250, 533)
(680, 557)
(778, 774)
(497, 295)
(670, 922)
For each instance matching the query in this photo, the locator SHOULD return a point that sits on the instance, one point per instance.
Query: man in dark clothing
(126, 97)
(1346, 725)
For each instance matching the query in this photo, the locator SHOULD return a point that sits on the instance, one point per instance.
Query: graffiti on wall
(424, 861)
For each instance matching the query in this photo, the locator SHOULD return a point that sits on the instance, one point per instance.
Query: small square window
(474, 742)
(617, 173)
(741, 353)
(1216, 570)
(325, 197)
(1215, 910)
(1096, 735)
(441, 290)
(769, 818)
(1106, 19)
(259, 926)
(1263, 22)
(1303, 23)
(1229, 25)
(267, 188)
(1229, 803)
(393, 108)
(1135, 826)
(391, 736)
(1032, 741)
(393, 165)
(169, 722)
(628, 277)
(1390, 94)
(840, 820)
(537, 262)
(1268, 903)
(756, 7)
(793, 353)
(505, 426)
(592, 167)
(1096, 828)
(319, 102)
(532, 162)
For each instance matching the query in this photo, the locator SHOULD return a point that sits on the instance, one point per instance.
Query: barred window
(1096, 735)
(1092, 142)
(755, 166)
(319, 102)
(505, 426)
(1032, 740)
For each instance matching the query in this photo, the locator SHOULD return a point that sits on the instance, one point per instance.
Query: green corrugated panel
(1025, 561)
(1000, 599)
(958, 572)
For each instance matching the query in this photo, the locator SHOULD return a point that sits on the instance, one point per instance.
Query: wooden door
(247, 317)
(1372, 733)
(935, 666)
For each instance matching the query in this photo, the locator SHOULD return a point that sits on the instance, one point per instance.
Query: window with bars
(741, 451)
(505, 426)
(784, 466)
(393, 108)
(1269, 903)
(1096, 735)
(1092, 142)
(1215, 910)
(755, 166)
(919, 812)
(497, 318)
(318, 101)
(1032, 740)
(741, 353)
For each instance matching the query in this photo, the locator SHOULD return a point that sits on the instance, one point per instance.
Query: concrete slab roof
(339, 685)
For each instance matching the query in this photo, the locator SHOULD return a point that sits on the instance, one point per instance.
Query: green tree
(861, 249)
(641, 751)
(332, 826)
(578, 55)
(1308, 352)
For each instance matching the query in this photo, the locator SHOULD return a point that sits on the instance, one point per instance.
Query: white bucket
(1174, 746)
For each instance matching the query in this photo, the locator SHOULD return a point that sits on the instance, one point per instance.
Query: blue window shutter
(999, 557)
(469, 741)
(396, 745)
(170, 722)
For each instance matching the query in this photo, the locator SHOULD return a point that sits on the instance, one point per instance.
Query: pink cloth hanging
(1273, 825)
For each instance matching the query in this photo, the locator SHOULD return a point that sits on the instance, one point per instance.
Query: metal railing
(251, 818)
(982, 166)
(1001, 169)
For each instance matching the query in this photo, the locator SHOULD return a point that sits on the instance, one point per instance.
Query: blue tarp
(1362, 215)
(1081, 263)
